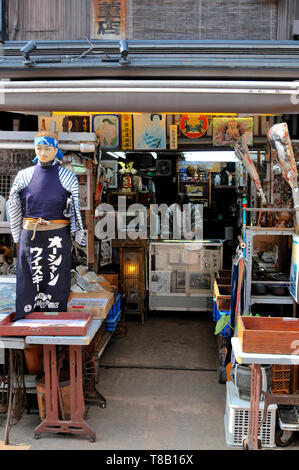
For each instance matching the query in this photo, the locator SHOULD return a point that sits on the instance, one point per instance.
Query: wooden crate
(268, 335)
(223, 281)
(99, 312)
(222, 295)
(226, 273)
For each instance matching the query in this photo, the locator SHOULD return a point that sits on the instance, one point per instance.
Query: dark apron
(43, 271)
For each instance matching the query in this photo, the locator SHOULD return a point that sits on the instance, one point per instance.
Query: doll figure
(44, 213)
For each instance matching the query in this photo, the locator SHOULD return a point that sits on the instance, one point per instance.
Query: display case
(7, 294)
(181, 274)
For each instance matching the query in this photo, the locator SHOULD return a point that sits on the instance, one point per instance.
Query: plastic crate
(225, 332)
(111, 324)
(281, 378)
(115, 308)
(236, 419)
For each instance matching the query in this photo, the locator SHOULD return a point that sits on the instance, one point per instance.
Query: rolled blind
(202, 19)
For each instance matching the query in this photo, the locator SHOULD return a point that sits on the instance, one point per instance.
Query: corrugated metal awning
(173, 96)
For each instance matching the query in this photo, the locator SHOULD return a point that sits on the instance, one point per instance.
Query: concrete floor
(162, 392)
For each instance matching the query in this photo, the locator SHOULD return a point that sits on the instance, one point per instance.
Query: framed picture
(149, 131)
(196, 190)
(84, 191)
(107, 128)
(160, 281)
(227, 131)
(199, 281)
(111, 168)
(180, 280)
(105, 252)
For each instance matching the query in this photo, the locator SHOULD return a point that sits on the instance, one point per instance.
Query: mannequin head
(46, 151)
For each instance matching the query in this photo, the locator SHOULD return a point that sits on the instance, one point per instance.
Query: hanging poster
(227, 131)
(111, 169)
(84, 191)
(173, 137)
(108, 19)
(107, 128)
(76, 124)
(193, 125)
(149, 131)
(126, 132)
(105, 252)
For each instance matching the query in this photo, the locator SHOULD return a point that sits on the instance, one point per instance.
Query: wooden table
(256, 360)
(53, 423)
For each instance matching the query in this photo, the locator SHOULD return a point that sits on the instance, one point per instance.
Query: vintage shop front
(100, 123)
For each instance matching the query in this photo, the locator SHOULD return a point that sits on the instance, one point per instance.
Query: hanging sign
(173, 137)
(193, 125)
(126, 132)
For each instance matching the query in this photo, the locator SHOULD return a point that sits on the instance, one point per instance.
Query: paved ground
(162, 393)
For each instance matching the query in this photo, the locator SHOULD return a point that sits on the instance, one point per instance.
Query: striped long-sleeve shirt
(68, 181)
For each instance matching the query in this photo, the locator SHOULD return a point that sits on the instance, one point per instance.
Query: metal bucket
(241, 376)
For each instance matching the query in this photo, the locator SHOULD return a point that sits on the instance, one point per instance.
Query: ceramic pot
(34, 359)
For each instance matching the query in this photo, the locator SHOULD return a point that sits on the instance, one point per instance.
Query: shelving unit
(250, 233)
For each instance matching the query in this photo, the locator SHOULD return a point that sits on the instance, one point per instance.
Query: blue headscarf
(45, 140)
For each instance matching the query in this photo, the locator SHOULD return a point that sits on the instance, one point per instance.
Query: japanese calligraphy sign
(173, 137)
(108, 19)
(126, 132)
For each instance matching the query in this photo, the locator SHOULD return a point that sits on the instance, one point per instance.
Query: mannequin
(42, 228)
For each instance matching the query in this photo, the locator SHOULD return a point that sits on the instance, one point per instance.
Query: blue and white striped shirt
(68, 181)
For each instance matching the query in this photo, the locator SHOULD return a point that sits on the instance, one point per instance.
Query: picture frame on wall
(149, 131)
(227, 131)
(111, 169)
(107, 128)
(84, 191)
(105, 252)
(195, 190)
(199, 281)
(180, 280)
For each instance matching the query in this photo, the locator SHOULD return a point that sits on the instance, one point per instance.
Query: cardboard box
(112, 279)
(98, 304)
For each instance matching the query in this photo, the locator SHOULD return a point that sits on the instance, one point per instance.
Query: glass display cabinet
(181, 274)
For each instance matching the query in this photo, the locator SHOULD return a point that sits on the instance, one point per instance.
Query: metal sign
(193, 125)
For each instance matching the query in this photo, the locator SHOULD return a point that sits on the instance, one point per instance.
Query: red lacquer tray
(46, 324)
